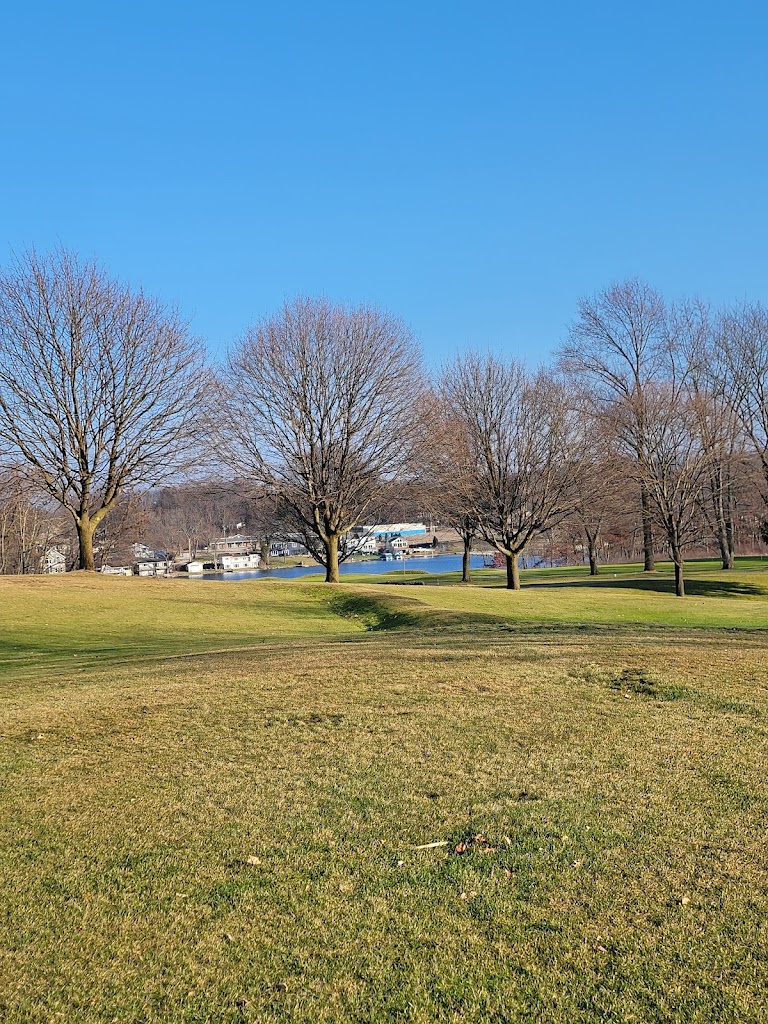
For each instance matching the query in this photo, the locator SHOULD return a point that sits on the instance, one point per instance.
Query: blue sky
(474, 167)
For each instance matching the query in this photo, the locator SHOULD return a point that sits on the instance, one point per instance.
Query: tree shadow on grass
(395, 611)
(694, 585)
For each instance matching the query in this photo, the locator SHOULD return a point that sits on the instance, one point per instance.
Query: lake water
(437, 563)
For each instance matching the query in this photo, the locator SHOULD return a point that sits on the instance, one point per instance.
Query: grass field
(214, 794)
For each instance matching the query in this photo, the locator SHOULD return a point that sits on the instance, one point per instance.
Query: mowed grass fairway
(213, 795)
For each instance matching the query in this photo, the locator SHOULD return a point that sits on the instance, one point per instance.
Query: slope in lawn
(236, 838)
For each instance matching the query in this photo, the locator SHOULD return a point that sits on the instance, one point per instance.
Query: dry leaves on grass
(478, 840)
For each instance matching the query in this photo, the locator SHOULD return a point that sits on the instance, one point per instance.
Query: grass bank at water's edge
(80, 621)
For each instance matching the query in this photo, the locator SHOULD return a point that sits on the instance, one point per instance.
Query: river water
(435, 563)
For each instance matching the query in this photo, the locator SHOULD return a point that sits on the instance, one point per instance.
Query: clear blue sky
(474, 167)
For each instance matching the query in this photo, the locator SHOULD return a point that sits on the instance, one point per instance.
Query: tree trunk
(723, 529)
(513, 572)
(592, 554)
(726, 553)
(648, 554)
(465, 560)
(729, 541)
(677, 558)
(332, 558)
(85, 531)
(264, 554)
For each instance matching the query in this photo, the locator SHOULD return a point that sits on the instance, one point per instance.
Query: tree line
(322, 417)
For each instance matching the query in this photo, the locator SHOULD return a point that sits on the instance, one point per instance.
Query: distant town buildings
(153, 567)
(242, 551)
(384, 538)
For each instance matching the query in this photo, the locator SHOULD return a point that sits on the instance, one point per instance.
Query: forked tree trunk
(649, 560)
(85, 530)
(513, 572)
(332, 558)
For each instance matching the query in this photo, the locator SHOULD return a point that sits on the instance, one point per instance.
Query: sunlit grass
(621, 594)
(50, 622)
(232, 836)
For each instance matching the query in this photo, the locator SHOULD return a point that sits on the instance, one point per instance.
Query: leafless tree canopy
(616, 347)
(321, 402)
(655, 416)
(601, 482)
(448, 483)
(743, 350)
(695, 334)
(617, 340)
(673, 464)
(98, 385)
(516, 427)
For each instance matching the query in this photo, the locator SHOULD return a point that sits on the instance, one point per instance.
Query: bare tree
(320, 411)
(616, 348)
(599, 482)
(28, 528)
(742, 340)
(516, 427)
(673, 463)
(98, 385)
(448, 478)
(124, 526)
(660, 425)
(718, 422)
(262, 512)
(183, 517)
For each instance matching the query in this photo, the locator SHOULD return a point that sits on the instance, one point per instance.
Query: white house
(194, 568)
(141, 551)
(230, 562)
(117, 570)
(54, 560)
(153, 567)
(358, 542)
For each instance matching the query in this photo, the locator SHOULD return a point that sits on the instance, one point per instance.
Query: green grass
(232, 836)
(51, 623)
(662, 578)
